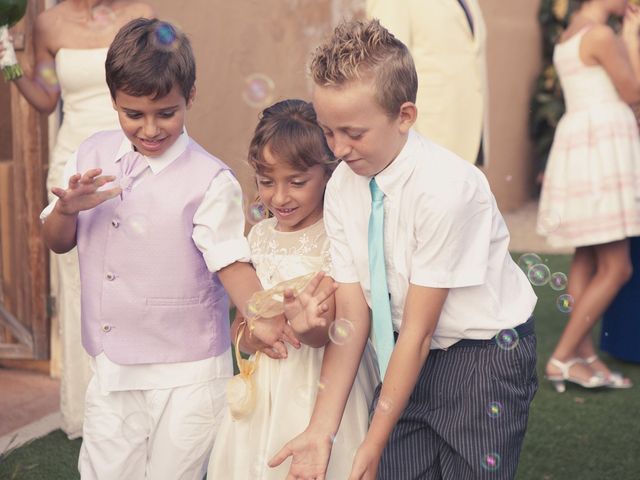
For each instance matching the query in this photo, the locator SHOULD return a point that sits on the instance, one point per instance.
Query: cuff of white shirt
(344, 276)
(227, 253)
(47, 210)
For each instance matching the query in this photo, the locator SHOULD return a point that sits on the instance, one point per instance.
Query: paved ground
(29, 406)
(524, 239)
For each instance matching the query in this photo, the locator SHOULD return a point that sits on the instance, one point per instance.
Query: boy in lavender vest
(157, 253)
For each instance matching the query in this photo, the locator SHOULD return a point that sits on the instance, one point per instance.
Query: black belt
(523, 330)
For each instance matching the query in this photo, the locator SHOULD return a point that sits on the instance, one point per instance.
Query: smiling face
(357, 129)
(293, 196)
(151, 124)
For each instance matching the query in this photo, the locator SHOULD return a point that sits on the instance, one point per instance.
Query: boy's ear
(407, 116)
(192, 96)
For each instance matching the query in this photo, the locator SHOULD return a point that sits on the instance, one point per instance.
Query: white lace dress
(286, 389)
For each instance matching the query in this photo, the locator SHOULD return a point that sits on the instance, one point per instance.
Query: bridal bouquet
(11, 11)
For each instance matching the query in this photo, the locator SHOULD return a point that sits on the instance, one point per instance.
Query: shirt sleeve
(453, 236)
(343, 267)
(218, 224)
(70, 168)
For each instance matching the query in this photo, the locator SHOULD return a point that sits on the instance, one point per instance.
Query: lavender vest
(147, 296)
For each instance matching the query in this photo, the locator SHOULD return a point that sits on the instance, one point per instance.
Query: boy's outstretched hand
(310, 452)
(83, 192)
(305, 311)
(365, 463)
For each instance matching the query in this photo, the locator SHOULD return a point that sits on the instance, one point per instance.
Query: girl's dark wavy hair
(290, 130)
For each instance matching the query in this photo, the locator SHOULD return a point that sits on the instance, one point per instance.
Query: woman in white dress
(590, 197)
(292, 164)
(71, 42)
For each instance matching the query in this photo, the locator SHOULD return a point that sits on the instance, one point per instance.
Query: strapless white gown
(87, 108)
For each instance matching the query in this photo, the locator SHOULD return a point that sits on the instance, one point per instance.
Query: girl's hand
(270, 334)
(304, 312)
(365, 463)
(631, 23)
(83, 194)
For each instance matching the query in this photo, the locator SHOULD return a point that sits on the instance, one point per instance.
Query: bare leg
(579, 277)
(613, 270)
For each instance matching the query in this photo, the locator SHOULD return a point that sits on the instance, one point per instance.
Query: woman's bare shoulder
(50, 23)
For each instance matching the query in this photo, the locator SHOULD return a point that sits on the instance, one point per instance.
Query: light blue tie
(380, 304)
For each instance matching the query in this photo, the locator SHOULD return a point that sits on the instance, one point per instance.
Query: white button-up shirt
(442, 229)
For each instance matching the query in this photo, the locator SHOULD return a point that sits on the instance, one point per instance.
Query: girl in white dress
(70, 42)
(591, 193)
(292, 164)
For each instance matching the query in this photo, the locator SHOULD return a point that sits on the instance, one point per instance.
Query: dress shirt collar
(160, 162)
(392, 179)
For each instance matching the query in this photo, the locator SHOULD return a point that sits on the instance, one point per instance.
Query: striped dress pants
(467, 415)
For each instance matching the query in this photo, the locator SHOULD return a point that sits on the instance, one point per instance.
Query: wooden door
(24, 286)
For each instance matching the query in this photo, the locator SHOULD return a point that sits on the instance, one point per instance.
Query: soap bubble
(341, 331)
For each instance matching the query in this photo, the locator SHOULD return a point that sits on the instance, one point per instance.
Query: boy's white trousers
(150, 434)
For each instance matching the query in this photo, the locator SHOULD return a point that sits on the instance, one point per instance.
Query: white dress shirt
(218, 232)
(442, 229)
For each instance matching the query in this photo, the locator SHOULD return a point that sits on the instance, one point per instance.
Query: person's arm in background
(39, 85)
(619, 55)
(394, 15)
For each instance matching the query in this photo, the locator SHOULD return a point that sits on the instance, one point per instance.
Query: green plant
(547, 103)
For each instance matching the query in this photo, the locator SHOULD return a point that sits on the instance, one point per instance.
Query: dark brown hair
(290, 131)
(148, 57)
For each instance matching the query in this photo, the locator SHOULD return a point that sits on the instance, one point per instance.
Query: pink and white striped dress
(591, 190)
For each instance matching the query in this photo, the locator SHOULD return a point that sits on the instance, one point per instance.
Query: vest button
(110, 276)
(106, 328)
(115, 223)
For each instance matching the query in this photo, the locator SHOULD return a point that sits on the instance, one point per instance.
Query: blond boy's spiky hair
(362, 50)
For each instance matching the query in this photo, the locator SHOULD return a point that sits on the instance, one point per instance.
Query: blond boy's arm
(421, 313)
(311, 449)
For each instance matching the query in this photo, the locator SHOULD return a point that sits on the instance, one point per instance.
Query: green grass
(53, 457)
(581, 434)
(578, 435)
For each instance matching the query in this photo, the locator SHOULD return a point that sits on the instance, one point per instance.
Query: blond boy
(459, 381)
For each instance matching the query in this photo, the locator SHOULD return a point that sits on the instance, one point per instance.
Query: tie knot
(376, 194)
(131, 166)
(130, 161)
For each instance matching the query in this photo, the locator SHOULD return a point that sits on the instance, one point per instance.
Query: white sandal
(614, 379)
(597, 380)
